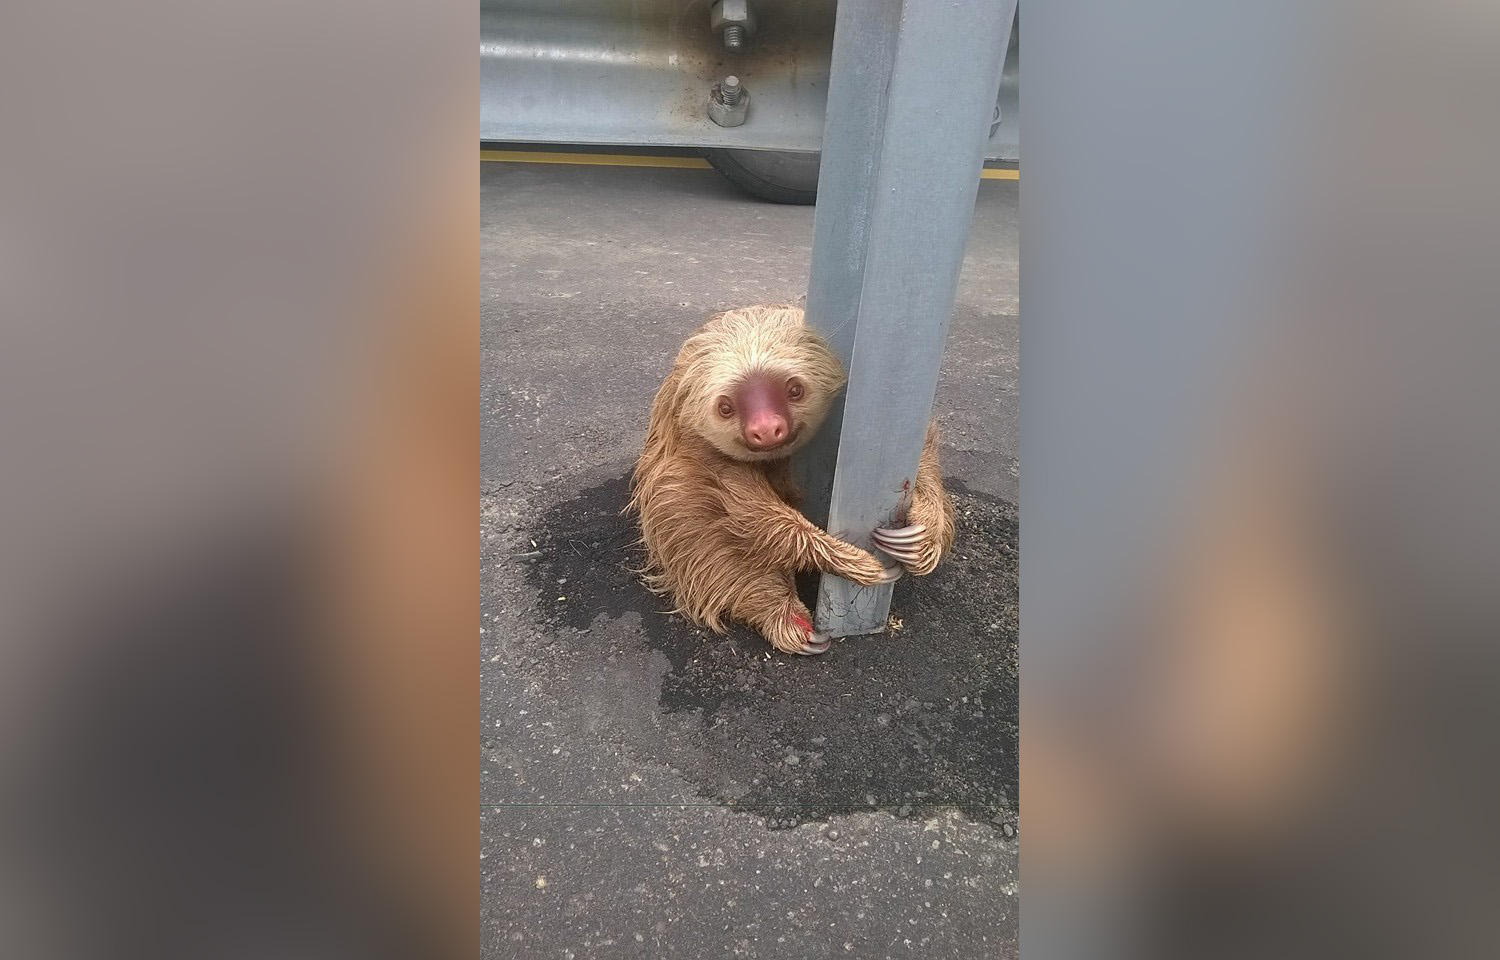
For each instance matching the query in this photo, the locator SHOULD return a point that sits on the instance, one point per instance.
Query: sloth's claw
(891, 574)
(816, 644)
(813, 643)
(915, 533)
(904, 544)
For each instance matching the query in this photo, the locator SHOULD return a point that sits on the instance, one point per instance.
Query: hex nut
(725, 115)
(731, 13)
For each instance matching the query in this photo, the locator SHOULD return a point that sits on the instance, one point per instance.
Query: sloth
(715, 497)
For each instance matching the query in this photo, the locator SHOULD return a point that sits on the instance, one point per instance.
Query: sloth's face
(766, 415)
(759, 387)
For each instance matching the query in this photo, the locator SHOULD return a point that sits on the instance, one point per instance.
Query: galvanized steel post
(910, 101)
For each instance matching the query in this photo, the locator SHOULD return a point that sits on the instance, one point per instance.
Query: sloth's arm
(931, 505)
(773, 530)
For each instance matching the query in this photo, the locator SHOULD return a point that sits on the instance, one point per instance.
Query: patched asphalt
(907, 721)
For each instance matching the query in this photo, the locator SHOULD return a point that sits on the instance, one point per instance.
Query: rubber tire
(770, 175)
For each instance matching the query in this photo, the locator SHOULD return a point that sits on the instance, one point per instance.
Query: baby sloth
(715, 496)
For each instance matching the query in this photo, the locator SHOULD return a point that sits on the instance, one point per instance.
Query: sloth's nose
(765, 430)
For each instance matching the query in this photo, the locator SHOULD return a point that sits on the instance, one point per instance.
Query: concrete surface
(649, 790)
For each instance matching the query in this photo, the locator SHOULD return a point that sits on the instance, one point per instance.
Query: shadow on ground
(922, 716)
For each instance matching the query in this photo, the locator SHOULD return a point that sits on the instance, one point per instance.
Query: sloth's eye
(726, 409)
(794, 390)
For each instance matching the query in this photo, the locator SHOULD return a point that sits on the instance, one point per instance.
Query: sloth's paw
(795, 634)
(866, 569)
(914, 546)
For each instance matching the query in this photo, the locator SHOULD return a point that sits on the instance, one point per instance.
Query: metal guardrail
(641, 73)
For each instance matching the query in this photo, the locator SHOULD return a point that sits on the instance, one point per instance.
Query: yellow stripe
(634, 160)
(593, 159)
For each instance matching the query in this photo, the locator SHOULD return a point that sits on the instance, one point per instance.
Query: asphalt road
(649, 790)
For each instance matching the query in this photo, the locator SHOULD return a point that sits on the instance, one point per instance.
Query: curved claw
(816, 644)
(912, 534)
(891, 574)
(905, 556)
(905, 544)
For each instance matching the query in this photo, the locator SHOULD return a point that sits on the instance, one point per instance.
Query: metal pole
(910, 101)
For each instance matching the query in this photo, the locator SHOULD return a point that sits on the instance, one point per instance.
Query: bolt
(730, 90)
(728, 102)
(734, 20)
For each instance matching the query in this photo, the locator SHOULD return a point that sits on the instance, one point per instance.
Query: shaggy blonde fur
(719, 521)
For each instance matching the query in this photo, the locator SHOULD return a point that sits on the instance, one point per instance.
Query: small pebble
(1008, 830)
(792, 759)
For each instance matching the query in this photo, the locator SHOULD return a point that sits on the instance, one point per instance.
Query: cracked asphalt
(651, 790)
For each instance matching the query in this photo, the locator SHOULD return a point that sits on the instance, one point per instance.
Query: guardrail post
(910, 102)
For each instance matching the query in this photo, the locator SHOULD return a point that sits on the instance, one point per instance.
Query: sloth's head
(756, 382)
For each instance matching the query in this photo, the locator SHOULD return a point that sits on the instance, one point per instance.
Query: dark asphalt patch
(922, 716)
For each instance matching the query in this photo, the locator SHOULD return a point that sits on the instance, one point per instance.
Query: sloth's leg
(768, 602)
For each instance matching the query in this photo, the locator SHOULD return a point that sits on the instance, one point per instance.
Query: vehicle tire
(770, 175)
